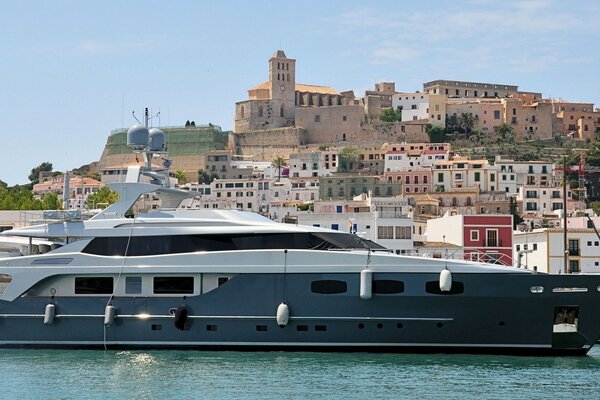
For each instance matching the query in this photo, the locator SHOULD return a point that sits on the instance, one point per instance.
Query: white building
(543, 199)
(410, 160)
(385, 221)
(304, 165)
(414, 106)
(460, 172)
(512, 174)
(545, 250)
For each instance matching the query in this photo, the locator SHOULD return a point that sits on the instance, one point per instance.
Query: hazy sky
(73, 70)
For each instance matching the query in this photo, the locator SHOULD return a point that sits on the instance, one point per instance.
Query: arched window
(242, 112)
(407, 180)
(260, 111)
(454, 202)
(278, 76)
(344, 137)
(278, 65)
(281, 111)
(288, 77)
(469, 203)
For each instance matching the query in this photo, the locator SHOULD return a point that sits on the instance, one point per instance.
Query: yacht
(180, 278)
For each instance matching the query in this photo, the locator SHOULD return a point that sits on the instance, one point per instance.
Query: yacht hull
(496, 313)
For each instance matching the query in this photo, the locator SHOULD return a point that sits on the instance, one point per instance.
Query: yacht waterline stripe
(261, 317)
(290, 344)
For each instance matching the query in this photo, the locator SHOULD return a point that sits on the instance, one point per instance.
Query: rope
(119, 275)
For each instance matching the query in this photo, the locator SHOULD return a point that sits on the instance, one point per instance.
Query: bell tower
(282, 87)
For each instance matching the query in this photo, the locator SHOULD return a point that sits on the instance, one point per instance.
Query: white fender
(283, 315)
(109, 315)
(366, 284)
(49, 313)
(445, 280)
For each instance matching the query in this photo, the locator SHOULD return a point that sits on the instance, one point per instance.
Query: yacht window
(94, 285)
(154, 245)
(133, 285)
(433, 287)
(222, 280)
(173, 284)
(387, 286)
(328, 287)
(4, 281)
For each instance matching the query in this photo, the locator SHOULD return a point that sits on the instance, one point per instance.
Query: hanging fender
(181, 314)
(49, 314)
(445, 280)
(109, 315)
(366, 284)
(283, 315)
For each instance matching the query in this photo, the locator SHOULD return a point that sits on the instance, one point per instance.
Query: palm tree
(505, 133)
(278, 163)
(467, 122)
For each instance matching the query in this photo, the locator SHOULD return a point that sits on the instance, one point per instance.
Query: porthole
(320, 328)
(388, 286)
(211, 328)
(439, 325)
(380, 326)
(502, 323)
(399, 325)
(433, 287)
(361, 326)
(328, 286)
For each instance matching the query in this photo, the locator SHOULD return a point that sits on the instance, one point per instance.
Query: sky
(71, 71)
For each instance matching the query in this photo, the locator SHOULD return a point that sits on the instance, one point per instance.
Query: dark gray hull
(496, 313)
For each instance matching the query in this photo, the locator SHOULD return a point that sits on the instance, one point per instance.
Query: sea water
(96, 374)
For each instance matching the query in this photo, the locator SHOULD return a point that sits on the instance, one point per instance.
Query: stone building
(475, 89)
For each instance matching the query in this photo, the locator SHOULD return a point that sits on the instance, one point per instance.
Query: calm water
(54, 374)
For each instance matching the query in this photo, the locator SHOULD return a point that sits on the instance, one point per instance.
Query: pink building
(483, 237)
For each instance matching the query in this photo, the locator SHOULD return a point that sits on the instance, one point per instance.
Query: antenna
(133, 113)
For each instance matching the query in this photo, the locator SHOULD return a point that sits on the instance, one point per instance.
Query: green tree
(596, 207)
(205, 177)
(467, 122)
(504, 134)
(278, 163)
(180, 176)
(349, 156)
(34, 177)
(512, 208)
(436, 134)
(51, 202)
(3, 184)
(391, 115)
(102, 198)
(451, 123)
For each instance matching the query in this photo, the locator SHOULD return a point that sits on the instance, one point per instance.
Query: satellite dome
(137, 137)
(156, 140)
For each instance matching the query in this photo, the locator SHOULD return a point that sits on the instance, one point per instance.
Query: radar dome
(137, 137)
(156, 140)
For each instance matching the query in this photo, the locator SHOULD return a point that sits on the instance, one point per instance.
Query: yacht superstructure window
(173, 285)
(155, 245)
(94, 285)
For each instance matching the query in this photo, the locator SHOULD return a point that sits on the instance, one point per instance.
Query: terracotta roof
(300, 87)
